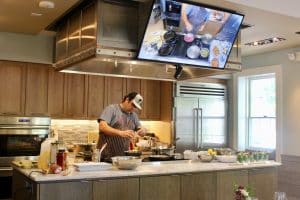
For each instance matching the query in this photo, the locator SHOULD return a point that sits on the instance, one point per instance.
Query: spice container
(61, 158)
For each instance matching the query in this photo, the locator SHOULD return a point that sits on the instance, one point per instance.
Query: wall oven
(20, 138)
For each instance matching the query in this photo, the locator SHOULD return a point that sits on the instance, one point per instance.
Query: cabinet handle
(39, 114)
(9, 113)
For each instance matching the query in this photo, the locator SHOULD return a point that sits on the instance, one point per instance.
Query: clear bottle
(44, 158)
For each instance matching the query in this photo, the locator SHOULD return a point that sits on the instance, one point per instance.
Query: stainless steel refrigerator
(200, 116)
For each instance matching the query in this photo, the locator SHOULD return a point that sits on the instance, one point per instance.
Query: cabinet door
(151, 105)
(113, 90)
(76, 97)
(132, 85)
(226, 181)
(66, 190)
(160, 188)
(56, 93)
(95, 96)
(36, 98)
(264, 182)
(12, 88)
(198, 186)
(166, 101)
(125, 189)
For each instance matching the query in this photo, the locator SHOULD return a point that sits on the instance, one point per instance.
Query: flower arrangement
(242, 193)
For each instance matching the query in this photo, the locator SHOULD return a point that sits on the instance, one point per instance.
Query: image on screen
(189, 34)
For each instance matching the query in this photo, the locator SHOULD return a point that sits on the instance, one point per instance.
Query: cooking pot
(166, 49)
(193, 52)
(170, 37)
(133, 153)
(160, 157)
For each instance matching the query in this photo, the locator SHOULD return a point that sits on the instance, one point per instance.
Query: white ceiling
(270, 18)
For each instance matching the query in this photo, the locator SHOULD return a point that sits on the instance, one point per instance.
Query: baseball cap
(137, 101)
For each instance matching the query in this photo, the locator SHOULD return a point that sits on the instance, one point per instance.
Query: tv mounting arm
(178, 71)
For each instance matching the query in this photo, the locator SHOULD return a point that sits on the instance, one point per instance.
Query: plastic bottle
(44, 159)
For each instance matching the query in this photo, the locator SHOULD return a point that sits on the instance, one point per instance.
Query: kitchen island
(154, 180)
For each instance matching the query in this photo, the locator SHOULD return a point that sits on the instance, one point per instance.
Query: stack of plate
(92, 166)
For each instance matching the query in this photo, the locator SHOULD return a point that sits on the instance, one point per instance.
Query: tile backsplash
(70, 131)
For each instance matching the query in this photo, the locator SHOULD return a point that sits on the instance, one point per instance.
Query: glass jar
(61, 158)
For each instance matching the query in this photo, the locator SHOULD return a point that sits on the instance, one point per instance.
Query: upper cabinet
(12, 88)
(150, 90)
(36, 96)
(113, 90)
(38, 90)
(56, 93)
(96, 90)
(76, 96)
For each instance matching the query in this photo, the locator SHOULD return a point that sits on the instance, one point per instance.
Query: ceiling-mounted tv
(182, 32)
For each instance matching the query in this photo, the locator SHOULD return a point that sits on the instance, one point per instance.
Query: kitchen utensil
(205, 157)
(206, 38)
(204, 52)
(160, 157)
(136, 153)
(170, 37)
(193, 52)
(189, 37)
(126, 162)
(100, 151)
(166, 49)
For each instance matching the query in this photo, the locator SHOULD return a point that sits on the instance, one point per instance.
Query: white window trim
(239, 140)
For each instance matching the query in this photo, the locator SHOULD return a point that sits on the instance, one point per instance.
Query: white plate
(92, 166)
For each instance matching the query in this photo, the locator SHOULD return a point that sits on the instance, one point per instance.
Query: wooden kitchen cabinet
(12, 88)
(160, 187)
(56, 93)
(96, 90)
(116, 189)
(76, 86)
(113, 90)
(66, 190)
(166, 101)
(150, 90)
(198, 186)
(132, 85)
(36, 96)
(226, 181)
(263, 182)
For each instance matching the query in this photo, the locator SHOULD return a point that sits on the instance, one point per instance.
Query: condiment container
(61, 158)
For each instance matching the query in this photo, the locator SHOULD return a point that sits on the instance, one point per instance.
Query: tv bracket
(178, 71)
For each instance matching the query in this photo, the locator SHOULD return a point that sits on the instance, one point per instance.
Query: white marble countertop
(145, 169)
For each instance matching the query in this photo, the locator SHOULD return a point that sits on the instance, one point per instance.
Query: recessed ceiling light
(46, 4)
(298, 32)
(265, 41)
(36, 14)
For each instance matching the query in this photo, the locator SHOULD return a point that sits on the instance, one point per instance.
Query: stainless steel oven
(20, 138)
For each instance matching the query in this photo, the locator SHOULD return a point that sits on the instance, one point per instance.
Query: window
(261, 106)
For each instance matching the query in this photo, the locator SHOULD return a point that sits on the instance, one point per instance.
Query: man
(194, 18)
(117, 126)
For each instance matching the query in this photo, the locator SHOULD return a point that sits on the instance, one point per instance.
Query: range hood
(101, 37)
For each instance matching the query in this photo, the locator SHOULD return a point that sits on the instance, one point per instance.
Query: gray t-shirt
(121, 120)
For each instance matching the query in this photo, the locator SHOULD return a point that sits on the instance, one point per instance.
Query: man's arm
(187, 24)
(108, 130)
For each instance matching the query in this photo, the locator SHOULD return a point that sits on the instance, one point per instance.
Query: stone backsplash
(78, 131)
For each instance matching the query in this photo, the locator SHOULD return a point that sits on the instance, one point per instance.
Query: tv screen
(182, 32)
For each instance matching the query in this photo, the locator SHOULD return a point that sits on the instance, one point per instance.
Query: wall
(290, 95)
(26, 48)
(288, 174)
(79, 131)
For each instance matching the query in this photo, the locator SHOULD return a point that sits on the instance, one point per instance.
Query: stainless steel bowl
(126, 162)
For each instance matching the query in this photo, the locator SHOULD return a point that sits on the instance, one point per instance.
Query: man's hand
(127, 134)
(189, 27)
(141, 132)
